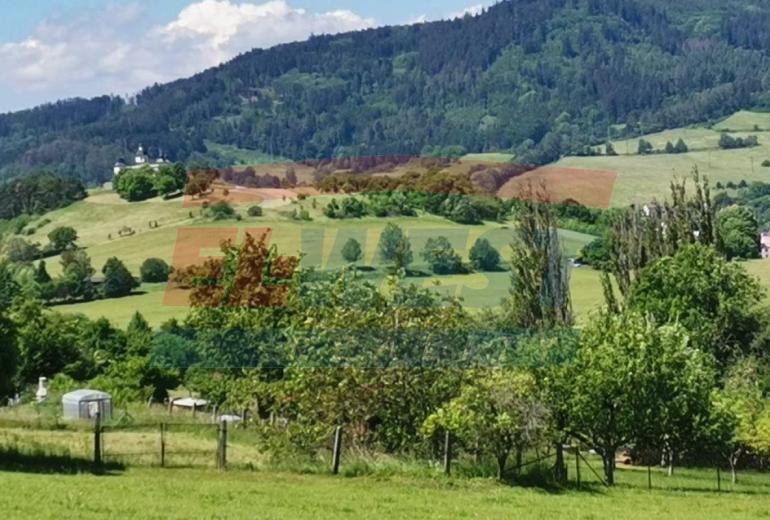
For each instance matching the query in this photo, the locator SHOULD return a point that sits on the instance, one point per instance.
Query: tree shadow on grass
(694, 489)
(39, 462)
(551, 487)
(416, 273)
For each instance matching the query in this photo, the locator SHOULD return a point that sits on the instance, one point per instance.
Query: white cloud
(116, 50)
(472, 10)
(417, 19)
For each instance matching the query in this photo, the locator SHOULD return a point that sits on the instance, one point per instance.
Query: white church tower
(141, 157)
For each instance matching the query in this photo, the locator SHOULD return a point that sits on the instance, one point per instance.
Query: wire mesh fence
(202, 444)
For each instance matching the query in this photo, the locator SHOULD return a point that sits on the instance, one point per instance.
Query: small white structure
(765, 244)
(140, 159)
(42, 389)
(229, 418)
(187, 403)
(85, 403)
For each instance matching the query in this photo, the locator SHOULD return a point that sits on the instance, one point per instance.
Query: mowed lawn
(200, 493)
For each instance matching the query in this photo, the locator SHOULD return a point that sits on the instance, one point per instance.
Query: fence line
(169, 444)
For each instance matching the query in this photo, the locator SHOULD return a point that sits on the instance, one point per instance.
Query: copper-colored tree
(250, 275)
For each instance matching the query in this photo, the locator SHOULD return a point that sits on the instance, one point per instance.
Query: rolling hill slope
(185, 237)
(632, 178)
(543, 78)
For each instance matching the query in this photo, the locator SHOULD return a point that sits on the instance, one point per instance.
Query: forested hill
(540, 77)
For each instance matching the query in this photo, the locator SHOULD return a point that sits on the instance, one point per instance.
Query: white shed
(84, 403)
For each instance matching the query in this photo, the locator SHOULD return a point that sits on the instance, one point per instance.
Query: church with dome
(141, 159)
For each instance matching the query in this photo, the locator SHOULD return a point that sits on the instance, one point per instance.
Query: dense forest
(541, 78)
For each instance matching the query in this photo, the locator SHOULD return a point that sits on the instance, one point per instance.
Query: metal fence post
(337, 450)
(447, 452)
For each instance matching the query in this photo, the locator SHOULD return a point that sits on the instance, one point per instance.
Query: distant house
(765, 244)
(140, 159)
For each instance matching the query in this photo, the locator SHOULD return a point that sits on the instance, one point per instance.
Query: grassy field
(184, 236)
(99, 218)
(477, 290)
(200, 493)
(320, 240)
(745, 121)
(643, 178)
(51, 461)
(488, 157)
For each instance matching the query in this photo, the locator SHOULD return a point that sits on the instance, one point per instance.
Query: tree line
(542, 79)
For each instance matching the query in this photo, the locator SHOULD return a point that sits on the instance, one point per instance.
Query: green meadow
(99, 218)
(320, 241)
(641, 178)
(201, 493)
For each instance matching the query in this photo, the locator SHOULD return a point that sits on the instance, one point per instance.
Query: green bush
(135, 185)
(441, 256)
(221, 211)
(483, 256)
(351, 251)
(154, 270)
(255, 211)
(118, 281)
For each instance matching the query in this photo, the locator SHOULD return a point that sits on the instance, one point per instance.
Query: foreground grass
(53, 462)
(193, 493)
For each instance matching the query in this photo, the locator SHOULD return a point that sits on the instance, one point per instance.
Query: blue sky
(54, 49)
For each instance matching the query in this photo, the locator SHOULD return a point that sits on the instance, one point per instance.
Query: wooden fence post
(447, 452)
(162, 445)
(222, 446)
(98, 439)
(577, 464)
(337, 450)
(649, 477)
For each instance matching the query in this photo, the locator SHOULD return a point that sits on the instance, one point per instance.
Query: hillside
(629, 177)
(538, 78)
(184, 236)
